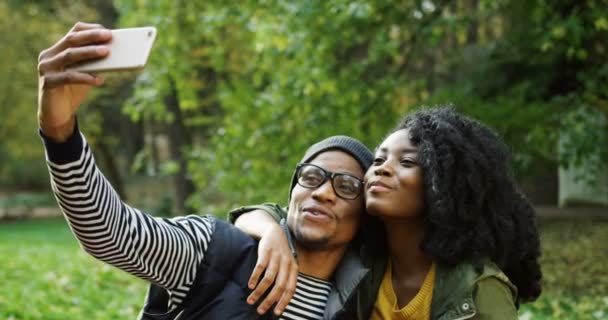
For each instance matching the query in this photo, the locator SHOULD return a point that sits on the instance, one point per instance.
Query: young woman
(448, 235)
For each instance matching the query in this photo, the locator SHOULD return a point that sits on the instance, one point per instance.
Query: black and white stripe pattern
(310, 299)
(166, 252)
(163, 251)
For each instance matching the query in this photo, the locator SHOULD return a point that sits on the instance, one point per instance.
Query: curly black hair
(474, 210)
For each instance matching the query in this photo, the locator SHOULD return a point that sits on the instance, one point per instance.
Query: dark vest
(220, 289)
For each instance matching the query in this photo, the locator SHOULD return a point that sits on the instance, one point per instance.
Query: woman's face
(394, 187)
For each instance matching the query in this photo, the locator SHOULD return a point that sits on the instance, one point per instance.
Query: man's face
(319, 218)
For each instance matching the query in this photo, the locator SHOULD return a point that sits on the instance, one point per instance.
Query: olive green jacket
(460, 292)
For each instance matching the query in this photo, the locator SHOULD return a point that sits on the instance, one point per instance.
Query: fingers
(284, 286)
(257, 271)
(279, 269)
(268, 279)
(79, 26)
(70, 77)
(80, 35)
(70, 56)
(276, 292)
(283, 289)
(76, 46)
(290, 290)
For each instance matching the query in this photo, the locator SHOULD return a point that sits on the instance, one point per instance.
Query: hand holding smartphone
(67, 70)
(129, 49)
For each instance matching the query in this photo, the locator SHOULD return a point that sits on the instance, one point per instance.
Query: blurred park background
(235, 91)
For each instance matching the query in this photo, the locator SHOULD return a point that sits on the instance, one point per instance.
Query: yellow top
(419, 308)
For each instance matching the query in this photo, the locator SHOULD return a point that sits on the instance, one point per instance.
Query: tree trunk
(472, 32)
(179, 139)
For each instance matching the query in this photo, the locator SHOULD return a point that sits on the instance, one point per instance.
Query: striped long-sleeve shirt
(166, 252)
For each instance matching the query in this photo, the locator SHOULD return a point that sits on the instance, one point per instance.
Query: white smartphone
(129, 49)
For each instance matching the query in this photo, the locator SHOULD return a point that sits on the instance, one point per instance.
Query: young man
(199, 266)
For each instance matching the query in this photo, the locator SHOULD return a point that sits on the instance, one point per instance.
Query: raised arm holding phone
(200, 267)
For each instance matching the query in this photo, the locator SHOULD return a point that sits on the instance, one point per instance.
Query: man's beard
(310, 244)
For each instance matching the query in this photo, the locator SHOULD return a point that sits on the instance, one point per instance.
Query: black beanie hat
(346, 144)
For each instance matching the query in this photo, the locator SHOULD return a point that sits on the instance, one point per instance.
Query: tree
(21, 157)
(269, 78)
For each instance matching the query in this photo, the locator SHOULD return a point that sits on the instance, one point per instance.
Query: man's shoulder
(229, 229)
(229, 240)
(274, 210)
(231, 255)
(224, 238)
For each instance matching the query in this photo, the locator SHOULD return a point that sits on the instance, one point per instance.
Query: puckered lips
(378, 186)
(317, 213)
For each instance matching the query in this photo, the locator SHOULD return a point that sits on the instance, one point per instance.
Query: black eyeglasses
(345, 186)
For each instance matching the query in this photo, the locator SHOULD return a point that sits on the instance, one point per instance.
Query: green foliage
(303, 86)
(586, 130)
(511, 118)
(255, 83)
(567, 307)
(21, 157)
(355, 67)
(535, 78)
(39, 25)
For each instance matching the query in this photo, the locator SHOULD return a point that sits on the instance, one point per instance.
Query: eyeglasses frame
(328, 175)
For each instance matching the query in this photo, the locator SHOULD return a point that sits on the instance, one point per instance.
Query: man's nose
(324, 192)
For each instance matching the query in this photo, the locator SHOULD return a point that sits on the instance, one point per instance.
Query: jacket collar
(349, 273)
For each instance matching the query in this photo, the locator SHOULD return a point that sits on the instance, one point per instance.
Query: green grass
(45, 275)
(575, 272)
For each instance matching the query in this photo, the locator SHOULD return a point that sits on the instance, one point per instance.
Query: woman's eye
(378, 160)
(408, 162)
